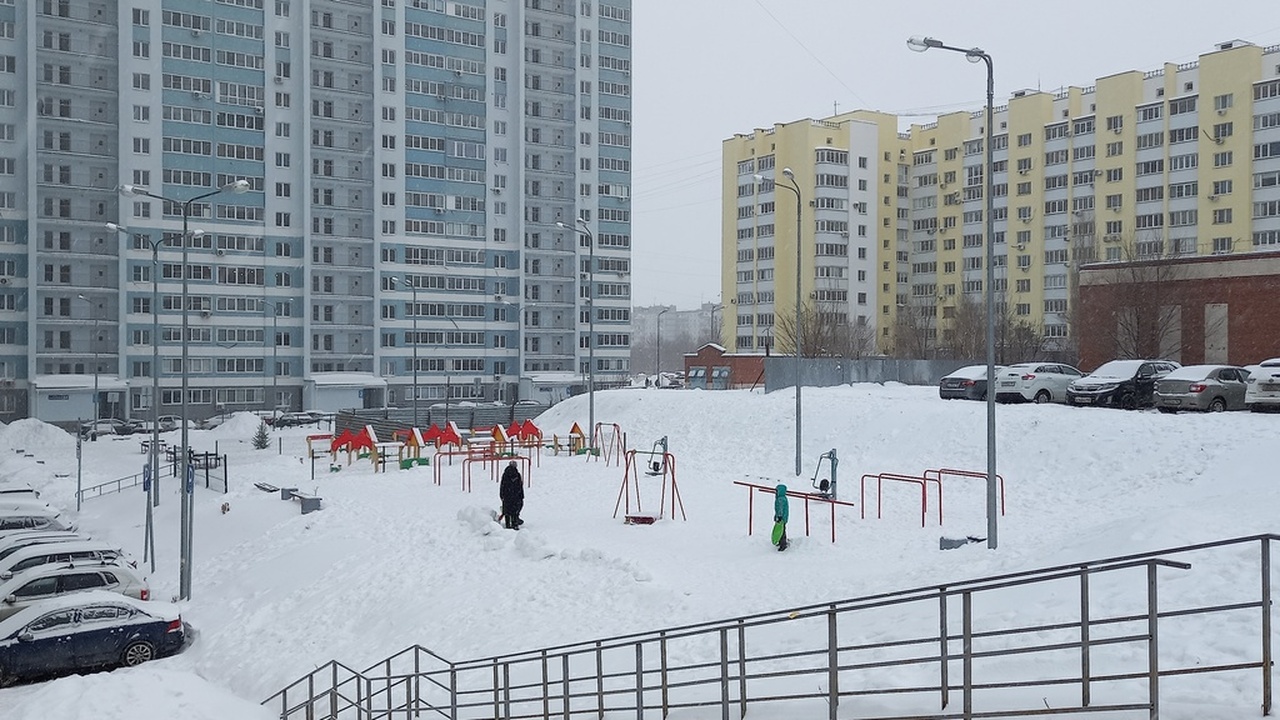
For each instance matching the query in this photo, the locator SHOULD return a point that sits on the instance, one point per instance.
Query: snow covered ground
(393, 560)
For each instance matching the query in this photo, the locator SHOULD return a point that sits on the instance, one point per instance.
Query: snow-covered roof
(555, 377)
(71, 382)
(337, 379)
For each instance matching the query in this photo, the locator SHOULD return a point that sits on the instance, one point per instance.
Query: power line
(812, 55)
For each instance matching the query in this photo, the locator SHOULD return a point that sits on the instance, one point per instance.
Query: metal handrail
(132, 480)
(597, 689)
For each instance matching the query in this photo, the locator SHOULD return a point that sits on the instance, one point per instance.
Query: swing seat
(640, 519)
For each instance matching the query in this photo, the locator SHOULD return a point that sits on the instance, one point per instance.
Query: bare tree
(824, 332)
(912, 336)
(1141, 315)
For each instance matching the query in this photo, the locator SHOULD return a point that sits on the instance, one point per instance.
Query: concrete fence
(780, 371)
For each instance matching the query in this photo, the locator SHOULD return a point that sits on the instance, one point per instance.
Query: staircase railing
(987, 650)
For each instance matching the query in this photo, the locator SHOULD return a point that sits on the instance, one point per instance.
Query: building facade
(1180, 161)
(408, 162)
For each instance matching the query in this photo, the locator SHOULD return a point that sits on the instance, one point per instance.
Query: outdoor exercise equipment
(826, 487)
(668, 474)
(753, 488)
(659, 466)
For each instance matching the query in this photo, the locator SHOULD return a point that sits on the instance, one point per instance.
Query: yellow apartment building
(1179, 161)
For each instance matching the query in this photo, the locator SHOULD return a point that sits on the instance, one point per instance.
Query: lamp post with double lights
(275, 352)
(583, 229)
(187, 471)
(974, 55)
(405, 282)
(149, 539)
(657, 363)
(97, 414)
(794, 187)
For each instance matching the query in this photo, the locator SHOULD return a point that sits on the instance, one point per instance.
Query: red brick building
(1217, 309)
(712, 368)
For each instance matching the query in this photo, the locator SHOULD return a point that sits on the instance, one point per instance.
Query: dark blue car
(87, 631)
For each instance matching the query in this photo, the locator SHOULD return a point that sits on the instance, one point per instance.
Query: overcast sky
(706, 69)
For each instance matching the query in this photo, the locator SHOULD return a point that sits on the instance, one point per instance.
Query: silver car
(1204, 388)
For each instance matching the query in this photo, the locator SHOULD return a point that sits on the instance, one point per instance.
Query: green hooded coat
(781, 508)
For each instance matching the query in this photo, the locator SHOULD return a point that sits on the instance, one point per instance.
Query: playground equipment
(667, 464)
(923, 480)
(753, 488)
(826, 487)
(659, 466)
(613, 447)
(319, 445)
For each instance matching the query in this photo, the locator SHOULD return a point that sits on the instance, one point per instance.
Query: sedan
(95, 429)
(1263, 392)
(969, 383)
(1207, 388)
(1035, 382)
(87, 631)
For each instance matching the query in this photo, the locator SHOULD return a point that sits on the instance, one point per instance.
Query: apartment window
(1222, 187)
(1222, 245)
(1222, 159)
(1024, 140)
(1222, 102)
(1222, 216)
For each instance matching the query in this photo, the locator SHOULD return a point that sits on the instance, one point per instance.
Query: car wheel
(1129, 401)
(137, 652)
(1218, 405)
(1168, 411)
(1042, 397)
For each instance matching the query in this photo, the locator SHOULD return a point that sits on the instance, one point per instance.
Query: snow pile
(394, 559)
(147, 691)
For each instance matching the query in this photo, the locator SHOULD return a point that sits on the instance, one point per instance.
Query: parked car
(1128, 384)
(24, 491)
(1262, 390)
(1035, 382)
(16, 515)
(1207, 388)
(296, 419)
(24, 558)
(969, 383)
(12, 541)
(87, 631)
(95, 429)
(40, 583)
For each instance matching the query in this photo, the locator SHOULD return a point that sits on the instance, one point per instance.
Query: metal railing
(122, 484)
(815, 657)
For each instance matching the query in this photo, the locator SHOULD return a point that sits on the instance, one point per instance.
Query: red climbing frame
(668, 472)
(752, 488)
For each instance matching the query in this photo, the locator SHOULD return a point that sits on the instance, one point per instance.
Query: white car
(1262, 391)
(19, 515)
(13, 540)
(1035, 382)
(25, 558)
(47, 581)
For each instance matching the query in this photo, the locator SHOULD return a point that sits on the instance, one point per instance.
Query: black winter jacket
(511, 489)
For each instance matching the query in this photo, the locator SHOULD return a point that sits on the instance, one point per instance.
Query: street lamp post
(405, 282)
(97, 414)
(149, 539)
(657, 363)
(187, 472)
(585, 230)
(920, 44)
(275, 353)
(795, 188)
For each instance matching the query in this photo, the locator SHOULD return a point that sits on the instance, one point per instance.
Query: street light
(658, 361)
(188, 473)
(275, 351)
(94, 341)
(405, 282)
(149, 540)
(974, 55)
(795, 188)
(591, 324)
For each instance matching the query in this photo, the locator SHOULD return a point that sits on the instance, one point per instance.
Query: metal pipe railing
(712, 671)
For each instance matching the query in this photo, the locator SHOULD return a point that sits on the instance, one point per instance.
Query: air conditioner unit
(1022, 171)
(1117, 130)
(1026, 220)
(942, 186)
(206, 313)
(1115, 208)
(1222, 111)
(1110, 238)
(220, 252)
(1020, 246)
(4, 281)
(1213, 198)
(195, 32)
(279, 80)
(259, 109)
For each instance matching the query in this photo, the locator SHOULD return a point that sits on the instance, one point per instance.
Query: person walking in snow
(511, 491)
(781, 511)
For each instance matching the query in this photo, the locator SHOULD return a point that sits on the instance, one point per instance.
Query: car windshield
(1118, 369)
